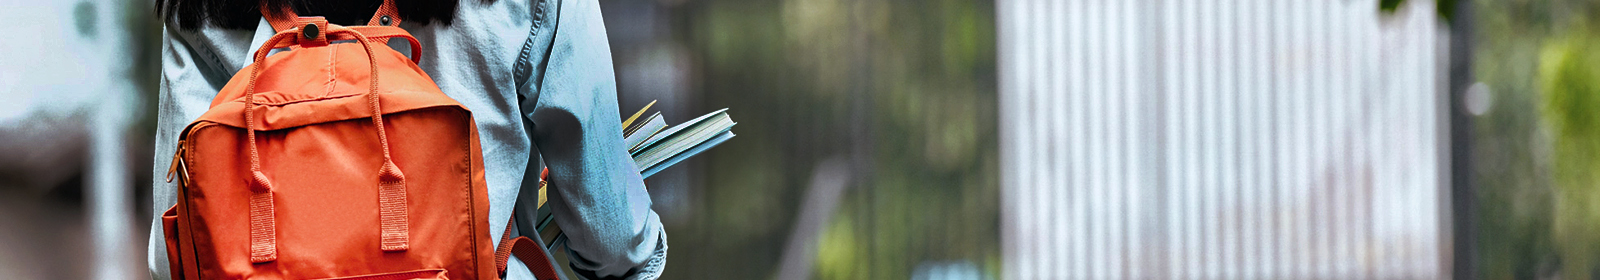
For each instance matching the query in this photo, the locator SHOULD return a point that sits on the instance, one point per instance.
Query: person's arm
(597, 195)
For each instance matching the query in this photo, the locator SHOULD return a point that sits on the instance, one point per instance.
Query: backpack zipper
(179, 169)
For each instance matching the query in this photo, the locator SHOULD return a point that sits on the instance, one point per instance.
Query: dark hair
(245, 14)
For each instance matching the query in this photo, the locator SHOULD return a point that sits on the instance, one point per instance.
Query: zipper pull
(177, 159)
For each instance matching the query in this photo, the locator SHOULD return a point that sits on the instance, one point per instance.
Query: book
(681, 138)
(649, 127)
(628, 122)
(635, 127)
(697, 149)
(655, 146)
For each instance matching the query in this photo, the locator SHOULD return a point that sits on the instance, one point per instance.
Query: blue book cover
(688, 153)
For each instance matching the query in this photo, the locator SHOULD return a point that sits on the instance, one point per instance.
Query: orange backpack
(292, 173)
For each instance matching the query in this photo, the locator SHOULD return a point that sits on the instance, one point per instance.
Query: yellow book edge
(629, 122)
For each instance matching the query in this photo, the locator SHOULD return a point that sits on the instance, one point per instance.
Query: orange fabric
(292, 173)
(391, 181)
(169, 226)
(425, 274)
(526, 250)
(533, 256)
(502, 253)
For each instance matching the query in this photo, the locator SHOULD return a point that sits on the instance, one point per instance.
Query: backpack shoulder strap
(528, 251)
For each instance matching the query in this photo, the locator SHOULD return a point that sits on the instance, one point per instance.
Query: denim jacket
(537, 75)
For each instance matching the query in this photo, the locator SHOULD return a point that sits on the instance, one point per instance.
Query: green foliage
(905, 92)
(1445, 8)
(1571, 85)
(1512, 168)
(1536, 151)
(1388, 6)
(84, 17)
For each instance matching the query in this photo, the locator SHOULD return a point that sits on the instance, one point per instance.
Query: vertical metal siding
(1219, 139)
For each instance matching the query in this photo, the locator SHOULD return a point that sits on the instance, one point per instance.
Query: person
(537, 75)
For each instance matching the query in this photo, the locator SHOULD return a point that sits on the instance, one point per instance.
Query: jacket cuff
(649, 271)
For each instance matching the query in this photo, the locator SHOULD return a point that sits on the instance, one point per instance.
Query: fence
(1221, 139)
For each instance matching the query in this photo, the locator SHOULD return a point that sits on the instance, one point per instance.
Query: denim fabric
(537, 75)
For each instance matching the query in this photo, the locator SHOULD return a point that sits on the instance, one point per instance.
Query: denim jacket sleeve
(570, 99)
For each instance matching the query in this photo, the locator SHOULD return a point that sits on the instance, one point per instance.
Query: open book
(655, 146)
(662, 146)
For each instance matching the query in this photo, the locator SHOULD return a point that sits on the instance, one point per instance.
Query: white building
(1248, 139)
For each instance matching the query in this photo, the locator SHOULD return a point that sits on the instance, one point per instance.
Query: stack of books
(654, 146)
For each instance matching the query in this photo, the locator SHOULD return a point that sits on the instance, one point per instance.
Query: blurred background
(957, 139)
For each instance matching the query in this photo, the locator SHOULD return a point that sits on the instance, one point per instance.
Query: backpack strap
(387, 15)
(527, 250)
(381, 35)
